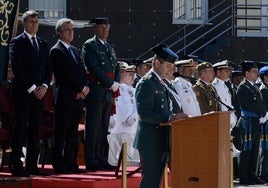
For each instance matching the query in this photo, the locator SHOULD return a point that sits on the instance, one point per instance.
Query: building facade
(211, 29)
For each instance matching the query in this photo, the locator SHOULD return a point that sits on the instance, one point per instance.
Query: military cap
(185, 63)
(263, 70)
(204, 65)
(149, 60)
(225, 64)
(165, 53)
(124, 66)
(245, 64)
(137, 62)
(99, 20)
(262, 64)
(190, 56)
(236, 73)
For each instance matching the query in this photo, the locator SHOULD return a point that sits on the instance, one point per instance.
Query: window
(50, 9)
(251, 18)
(189, 11)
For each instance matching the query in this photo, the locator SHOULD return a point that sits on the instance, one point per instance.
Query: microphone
(176, 74)
(191, 79)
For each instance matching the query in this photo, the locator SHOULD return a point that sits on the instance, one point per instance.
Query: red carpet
(98, 179)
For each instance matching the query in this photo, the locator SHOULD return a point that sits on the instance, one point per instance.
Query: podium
(200, 152)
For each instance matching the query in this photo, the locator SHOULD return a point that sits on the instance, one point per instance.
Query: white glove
(266, 116)
(112, 122)
(115, 86)
(263, 119)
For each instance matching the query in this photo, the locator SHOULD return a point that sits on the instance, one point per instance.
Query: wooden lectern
(200, 152)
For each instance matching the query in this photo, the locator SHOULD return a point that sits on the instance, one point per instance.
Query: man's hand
(115, 86)
(79, 95)
(86, 90)
(40, 91)
(179, 116)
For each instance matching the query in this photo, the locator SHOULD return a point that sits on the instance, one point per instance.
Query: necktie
(106, 46)
(173, 104)
(35, 45)
(72, 54)
(231, 91)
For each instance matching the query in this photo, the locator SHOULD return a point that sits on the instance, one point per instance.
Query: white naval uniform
(123, 126)
(188, 101)
(225, 96)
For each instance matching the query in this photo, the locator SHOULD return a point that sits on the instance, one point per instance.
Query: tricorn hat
(165, 53)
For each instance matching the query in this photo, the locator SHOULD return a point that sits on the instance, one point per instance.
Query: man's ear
(157, 62)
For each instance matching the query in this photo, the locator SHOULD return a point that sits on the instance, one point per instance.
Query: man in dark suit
(104, 75)
(70, 88)
(253, 112)
(32, 71)
(154, 107)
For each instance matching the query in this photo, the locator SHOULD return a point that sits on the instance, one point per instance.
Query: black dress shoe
(258, 181)
(62, 171)
(20, 172)
(246, 182)
(77, 171)
(93, 167)
(107, 166)
(37, 172)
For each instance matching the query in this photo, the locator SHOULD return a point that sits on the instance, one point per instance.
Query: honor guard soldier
(153, 106)
(183, 87)
(205, 93)
(253, 112)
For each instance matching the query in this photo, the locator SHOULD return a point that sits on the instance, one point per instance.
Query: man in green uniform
(154, 107)
(104, 74)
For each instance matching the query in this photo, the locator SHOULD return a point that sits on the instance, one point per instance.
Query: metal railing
(189, 44)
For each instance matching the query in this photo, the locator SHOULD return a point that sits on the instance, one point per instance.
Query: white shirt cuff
(31, 89)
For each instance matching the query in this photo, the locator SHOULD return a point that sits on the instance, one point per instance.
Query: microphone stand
(194, 80)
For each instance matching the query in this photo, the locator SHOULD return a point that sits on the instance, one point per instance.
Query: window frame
(49, 9)
(184, 7)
